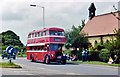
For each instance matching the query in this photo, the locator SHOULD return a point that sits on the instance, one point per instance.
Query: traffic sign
(10, 50)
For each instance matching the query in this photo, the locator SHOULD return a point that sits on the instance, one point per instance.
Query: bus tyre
(47, 59)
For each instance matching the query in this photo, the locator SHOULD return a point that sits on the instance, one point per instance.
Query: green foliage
(94, 55)
(4, 47)
(10, 38)
(74, 38)
(102, 52)
(9, 65)
(113, 47)
(104, 55)
(99, 46)
(68, 52)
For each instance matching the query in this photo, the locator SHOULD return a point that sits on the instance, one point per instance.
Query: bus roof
(52, 28)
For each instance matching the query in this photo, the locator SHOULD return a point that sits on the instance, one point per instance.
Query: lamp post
(43, 13)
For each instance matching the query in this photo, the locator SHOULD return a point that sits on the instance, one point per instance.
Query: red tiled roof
(101, 25)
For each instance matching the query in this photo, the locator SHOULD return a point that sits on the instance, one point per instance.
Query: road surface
(34, 68)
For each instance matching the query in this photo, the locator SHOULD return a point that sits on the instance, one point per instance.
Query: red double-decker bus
(46, 45)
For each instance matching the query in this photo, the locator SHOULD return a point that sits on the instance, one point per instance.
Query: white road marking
(42, 68)
(70, 74)
(30, 74)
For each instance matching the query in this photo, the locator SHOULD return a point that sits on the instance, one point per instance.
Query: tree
(114, 47)
(9, 38)
(74, 38)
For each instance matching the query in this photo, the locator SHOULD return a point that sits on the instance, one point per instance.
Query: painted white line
(30, 74)
(20, 71)
(42, 68)
(70, 74)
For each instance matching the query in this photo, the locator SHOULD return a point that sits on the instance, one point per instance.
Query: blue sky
(18, 16)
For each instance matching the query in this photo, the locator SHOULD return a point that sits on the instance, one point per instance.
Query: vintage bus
(46, 45)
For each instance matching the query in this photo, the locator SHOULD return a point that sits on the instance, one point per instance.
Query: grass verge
(9, 65)
(96, 63)
(24, 55)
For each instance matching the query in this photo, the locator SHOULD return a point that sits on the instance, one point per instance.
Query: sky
(21, 18)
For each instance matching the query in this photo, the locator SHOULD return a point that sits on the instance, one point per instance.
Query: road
(34, 68)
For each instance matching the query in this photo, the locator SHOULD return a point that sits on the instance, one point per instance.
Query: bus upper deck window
(29, 36)
(47, 32)
(53, 33)
(33, 35)
(44, 33)
(38, 34)
(60, 33)
(41, 33)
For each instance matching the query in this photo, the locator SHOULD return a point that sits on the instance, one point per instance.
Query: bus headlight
(52, 55)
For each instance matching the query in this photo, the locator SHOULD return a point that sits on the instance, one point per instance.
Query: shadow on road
(56, 63)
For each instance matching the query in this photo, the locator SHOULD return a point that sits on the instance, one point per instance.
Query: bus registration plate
(59, 57)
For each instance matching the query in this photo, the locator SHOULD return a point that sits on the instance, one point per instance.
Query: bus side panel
(40, 56)
(34, 54)
(28, 55)
(37, 55)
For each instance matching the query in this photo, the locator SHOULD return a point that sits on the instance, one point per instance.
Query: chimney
(92, 10)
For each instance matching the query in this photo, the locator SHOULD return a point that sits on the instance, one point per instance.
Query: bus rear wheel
(47, 60)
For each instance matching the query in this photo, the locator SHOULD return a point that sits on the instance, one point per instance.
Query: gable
(101, 25)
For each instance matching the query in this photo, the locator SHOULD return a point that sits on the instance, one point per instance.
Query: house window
(96, 42)
(107, 41)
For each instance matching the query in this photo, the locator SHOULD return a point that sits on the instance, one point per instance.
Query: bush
(79, 55)
(67, 52)
(104, 55)
(94, 55)
(100, 46)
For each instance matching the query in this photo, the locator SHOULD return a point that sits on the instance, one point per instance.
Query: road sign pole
(10, 60)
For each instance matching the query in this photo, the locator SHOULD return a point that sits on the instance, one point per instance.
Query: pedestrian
(86, 54)
(83, 55)
(74, 58)
(110, 61)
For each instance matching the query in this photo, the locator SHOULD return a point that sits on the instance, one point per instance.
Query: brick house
(100, 28)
